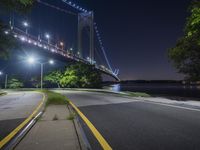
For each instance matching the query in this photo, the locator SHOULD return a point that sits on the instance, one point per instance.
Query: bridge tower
(86, 19)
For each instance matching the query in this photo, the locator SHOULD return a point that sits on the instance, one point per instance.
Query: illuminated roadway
(131, 124)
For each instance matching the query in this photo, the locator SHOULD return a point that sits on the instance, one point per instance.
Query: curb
(95, 132)
(83, 141)
(15, 141)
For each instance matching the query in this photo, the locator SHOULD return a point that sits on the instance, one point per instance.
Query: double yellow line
(16, 130)
(95, 132)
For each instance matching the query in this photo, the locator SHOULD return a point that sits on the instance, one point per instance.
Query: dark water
(170, 90)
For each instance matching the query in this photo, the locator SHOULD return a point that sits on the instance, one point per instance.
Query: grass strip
(54, 98)
(137, 94)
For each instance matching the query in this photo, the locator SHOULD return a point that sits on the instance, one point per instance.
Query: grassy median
(138, 94)
(54, 98)
(2, 93)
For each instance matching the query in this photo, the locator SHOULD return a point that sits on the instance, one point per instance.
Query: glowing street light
(1, 73)
(47, 36)
(26, 25)
(51, 62)
(31, 60)
(6, 32)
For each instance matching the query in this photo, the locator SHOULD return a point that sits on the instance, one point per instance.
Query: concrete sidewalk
(52, 132)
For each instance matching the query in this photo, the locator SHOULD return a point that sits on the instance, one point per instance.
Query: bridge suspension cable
(57, 8)
(101, 46)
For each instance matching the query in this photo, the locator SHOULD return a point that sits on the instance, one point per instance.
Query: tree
(36, 82)
(81, 76)
(14, 83)
(186, 54)
(54, 77)
(7, 43)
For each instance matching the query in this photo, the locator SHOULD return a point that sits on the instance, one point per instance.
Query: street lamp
(47, 36)
(51, 62)
(31, 60)
(26, 25)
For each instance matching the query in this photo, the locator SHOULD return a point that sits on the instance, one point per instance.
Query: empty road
(131, 124)
(15, 108)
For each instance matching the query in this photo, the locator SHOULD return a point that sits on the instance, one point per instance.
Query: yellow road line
(16, 130)
(95, 132)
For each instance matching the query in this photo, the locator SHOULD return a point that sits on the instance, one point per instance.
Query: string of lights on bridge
(47, 36)
(46, 45)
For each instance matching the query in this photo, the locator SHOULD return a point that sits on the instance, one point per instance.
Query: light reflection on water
(115, 88)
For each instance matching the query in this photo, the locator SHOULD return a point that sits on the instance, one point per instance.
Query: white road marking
(181, 107)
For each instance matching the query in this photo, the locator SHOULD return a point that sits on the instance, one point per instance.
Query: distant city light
(71, 49)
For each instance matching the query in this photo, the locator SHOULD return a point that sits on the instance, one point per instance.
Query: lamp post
(25, 24)
(6, 81)
(31, 60)
(47, 36)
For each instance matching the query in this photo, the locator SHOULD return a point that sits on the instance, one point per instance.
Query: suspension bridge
(85, 20)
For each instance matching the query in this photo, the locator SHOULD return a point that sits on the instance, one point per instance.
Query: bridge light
(61, 44)
(47, 36)
(29, 41)
(6, 32)
(22, 38)
(25, 24)
(52, 50)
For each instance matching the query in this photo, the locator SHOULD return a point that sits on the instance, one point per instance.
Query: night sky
(136, 34)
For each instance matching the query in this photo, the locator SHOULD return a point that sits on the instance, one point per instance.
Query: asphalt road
(15, 108)
(129, 124)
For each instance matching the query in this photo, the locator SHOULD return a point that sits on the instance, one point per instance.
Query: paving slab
(52, 134)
